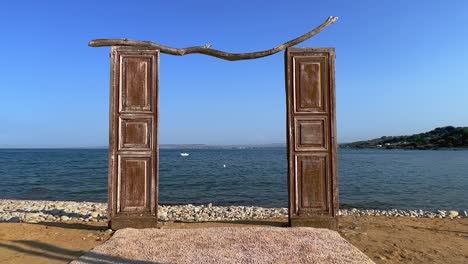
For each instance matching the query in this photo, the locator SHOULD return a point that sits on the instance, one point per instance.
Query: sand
(408, 240)
(48, 242)
(383, 239)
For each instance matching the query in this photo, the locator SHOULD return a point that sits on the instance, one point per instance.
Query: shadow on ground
(254, 222)
(43, 250)
(276, 222)
(74, 225)
(52, 252)
(96, 258)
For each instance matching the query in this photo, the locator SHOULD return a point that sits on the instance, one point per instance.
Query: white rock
(64, 218)
(31, 215)
(453, 213)
(94, 214)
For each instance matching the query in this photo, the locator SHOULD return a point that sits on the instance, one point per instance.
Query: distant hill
(441, 137)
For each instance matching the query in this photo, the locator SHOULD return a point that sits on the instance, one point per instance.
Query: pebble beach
(34, 211)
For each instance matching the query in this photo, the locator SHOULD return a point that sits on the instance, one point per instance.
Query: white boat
(184, 154)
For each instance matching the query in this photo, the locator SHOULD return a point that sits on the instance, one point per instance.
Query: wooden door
(133, 150)
(311, 129)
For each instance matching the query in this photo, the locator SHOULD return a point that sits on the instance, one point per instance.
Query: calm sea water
(380, 179)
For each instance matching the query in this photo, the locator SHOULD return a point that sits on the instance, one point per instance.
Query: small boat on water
(184, 154)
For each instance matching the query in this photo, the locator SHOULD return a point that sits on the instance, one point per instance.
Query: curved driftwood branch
(209, 51)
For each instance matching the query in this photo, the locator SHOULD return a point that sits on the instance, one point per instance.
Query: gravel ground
(254, 244)
(32, 211)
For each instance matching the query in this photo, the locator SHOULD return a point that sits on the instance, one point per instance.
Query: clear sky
(401, 67)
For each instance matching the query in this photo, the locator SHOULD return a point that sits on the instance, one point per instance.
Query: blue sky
(401, 67)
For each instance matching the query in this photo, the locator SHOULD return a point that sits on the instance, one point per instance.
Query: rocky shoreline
(33, 211)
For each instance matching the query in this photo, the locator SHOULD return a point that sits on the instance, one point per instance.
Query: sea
(370, 179)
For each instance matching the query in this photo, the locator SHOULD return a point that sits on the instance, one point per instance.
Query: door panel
(312, 148)
(310, 83)
(311, 133)
(312, 183)
(136, 82)
(135, 133)
(133, 162)
(134, 184)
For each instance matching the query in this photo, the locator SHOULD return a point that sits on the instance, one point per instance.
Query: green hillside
(441, 137)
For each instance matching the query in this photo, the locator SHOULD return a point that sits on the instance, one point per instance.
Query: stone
(31, 218)
(97, 212)
(453, 213)
(31, 215)
(55, 212)
(15, 219)
(162, 215)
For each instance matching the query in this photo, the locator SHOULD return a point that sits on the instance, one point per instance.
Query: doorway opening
(234, 133)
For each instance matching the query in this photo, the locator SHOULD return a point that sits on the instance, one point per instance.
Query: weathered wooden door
(133, 153)
(311, 128)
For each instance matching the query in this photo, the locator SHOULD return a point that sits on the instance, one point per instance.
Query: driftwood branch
(209, 51)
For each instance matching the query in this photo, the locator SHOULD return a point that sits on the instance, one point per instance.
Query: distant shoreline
(448, 137)
(374, 148)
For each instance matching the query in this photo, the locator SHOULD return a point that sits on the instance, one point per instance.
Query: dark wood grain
(136, 132)
(133, 141)
(311, 136)
(135, 178)
(312, 183)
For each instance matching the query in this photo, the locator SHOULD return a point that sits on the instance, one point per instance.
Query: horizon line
(169, 144)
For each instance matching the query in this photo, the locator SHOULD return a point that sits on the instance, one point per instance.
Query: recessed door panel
(310, 84)
(311, 133)
(312, 182)
(135, 181)
(136, 76)
(135, 133)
